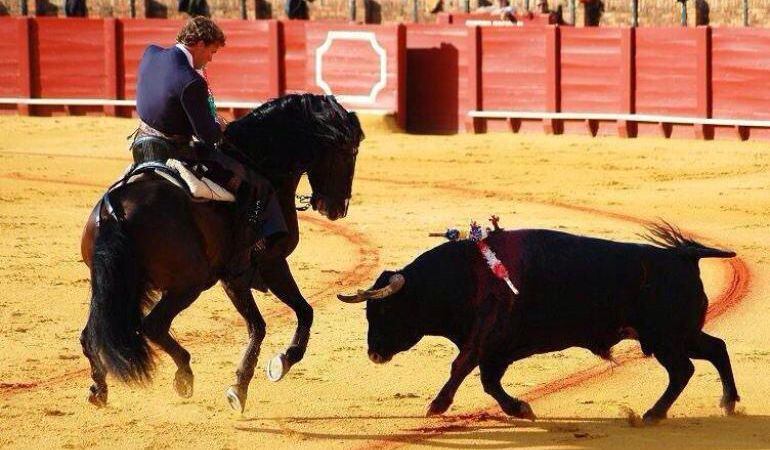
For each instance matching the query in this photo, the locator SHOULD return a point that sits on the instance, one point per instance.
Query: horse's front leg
(280, 281)
(240, 295)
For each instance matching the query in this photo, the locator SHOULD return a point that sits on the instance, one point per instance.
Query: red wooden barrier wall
(9, 56)
(740, 75)
(362, 65)
(591, 75)
(557, 78)
(295, 55)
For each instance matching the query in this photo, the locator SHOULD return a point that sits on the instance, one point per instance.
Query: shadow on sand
(497, 432)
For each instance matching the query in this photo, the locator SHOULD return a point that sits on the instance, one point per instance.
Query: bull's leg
(679, 369)
(465, 362)
(280, 281)
(491, 374)
(156, 327)
(714, 350)
(241, 297)
(98, 392)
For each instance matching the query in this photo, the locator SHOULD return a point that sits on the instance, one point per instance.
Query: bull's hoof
(728, 405)
(236, 398)
(97, 397)
(437, 407)
(277, 367)
(652, 418)
(183, 383)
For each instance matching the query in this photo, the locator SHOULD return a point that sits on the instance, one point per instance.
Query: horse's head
(304, 133)
(331, 174)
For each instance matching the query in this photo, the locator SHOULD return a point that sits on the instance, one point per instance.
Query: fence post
(745, 13)
(475, 101)
(627, 128)
(634, 13)
(111, 64)
(277, 78)
(401, 106)
(703, 77)
(553, 79)
(26, 72)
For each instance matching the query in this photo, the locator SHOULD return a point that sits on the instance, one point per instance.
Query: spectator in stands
(75, 8)
(297, 9)
(438, 7)
(592, 12)
(701, 12)
(194, 8)
(504, 9)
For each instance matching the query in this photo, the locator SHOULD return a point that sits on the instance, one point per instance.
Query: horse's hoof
(525, 412)
(234, 399)
(277, 367)
(183, 383)
(97, 397)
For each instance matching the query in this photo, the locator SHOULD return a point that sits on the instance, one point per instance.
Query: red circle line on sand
(738, 278)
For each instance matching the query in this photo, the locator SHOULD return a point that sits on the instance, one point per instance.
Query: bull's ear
(382, 280)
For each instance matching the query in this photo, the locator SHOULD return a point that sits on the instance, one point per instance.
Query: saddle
(151, 153)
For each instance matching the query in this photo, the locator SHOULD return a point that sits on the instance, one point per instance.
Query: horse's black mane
(286, 134)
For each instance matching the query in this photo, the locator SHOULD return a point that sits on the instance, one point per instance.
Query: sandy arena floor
(52, 170)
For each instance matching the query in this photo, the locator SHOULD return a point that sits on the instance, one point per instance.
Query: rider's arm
(195, 101)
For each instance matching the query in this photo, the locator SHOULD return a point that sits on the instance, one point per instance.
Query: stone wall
(617, 12)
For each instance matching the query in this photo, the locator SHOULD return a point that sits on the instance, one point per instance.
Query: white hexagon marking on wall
(366, 36)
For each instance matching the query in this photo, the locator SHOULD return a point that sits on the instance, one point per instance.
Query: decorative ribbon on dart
(478, 236)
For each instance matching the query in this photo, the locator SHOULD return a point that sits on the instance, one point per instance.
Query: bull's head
(391, 314)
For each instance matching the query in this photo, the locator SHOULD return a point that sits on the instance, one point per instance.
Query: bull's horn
(395, 283)
(355, 298)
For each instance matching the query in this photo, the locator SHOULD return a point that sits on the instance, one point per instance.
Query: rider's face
(203, 54)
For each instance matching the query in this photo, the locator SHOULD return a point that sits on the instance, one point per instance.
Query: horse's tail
(119, 295)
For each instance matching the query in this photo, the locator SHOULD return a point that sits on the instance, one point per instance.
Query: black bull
(574, 292)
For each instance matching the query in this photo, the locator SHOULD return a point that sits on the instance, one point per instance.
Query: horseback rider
(175, 105)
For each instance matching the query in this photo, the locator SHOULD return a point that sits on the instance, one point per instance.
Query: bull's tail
(118, 295)
(668, 236)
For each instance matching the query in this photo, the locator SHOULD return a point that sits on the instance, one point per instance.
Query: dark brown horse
(153, 241)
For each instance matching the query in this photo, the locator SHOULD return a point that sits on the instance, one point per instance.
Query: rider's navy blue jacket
(172, 97)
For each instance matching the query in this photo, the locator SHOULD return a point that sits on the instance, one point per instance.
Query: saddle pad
(201, 188)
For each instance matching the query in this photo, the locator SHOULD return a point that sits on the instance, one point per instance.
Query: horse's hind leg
(280, 281)
(714, 350)
(156, 327)
(98, 392)
(240, 295)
